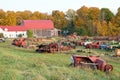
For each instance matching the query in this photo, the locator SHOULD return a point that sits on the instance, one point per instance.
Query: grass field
(24, 64)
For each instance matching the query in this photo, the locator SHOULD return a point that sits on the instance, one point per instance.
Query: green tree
(81, 31)
(106, 15)
(20, 35)
(29, 33)
(1, 35)
(117, 17)
(71, 16)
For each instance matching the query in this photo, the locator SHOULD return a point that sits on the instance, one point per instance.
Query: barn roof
(31, 24)
(38, 24)
(13, 28)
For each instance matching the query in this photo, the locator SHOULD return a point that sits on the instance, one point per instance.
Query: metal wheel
(108, 68)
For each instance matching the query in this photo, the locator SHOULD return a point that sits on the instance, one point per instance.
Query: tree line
(90, 21)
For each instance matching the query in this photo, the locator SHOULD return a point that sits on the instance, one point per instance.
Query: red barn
(41, 28)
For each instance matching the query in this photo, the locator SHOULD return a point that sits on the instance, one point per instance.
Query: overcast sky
(47, 6)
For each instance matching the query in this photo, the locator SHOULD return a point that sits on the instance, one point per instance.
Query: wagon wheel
(51, 50)
(108, 68)
(53, 47)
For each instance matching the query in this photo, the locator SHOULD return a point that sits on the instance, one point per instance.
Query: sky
(47, 6)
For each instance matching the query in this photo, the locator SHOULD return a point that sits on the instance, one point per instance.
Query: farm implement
(93, 62)
(19, 42)
(53, 47)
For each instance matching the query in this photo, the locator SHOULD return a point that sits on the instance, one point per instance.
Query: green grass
(24, 64)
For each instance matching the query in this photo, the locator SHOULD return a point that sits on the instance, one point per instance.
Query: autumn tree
(83, 12)
(89, 21)
(117, 17)
(88, 18)
(43, 16)
(35, 15)
(19, 18)
(82, 15)
(99, 30)
(113, 30)
(94, 13)
(82, 20)
(2, 17)
(10, 18)
(26, 15)
(59, 19)
(39, 16)
(93, 17)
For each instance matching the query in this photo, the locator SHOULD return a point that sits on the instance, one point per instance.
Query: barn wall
(46, 33)
(13, 34)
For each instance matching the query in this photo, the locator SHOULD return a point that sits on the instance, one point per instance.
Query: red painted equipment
(94, 45)
(93, 62)
(19, 42)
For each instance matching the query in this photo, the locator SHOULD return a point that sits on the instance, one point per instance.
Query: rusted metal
(94, 62)
(19, 42)
(50, 48)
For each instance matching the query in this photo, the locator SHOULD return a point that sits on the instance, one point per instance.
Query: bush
(1, 35)
(20, 35)
(29, 33)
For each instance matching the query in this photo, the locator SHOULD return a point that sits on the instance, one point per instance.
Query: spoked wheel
(53, 47)
(108, 68)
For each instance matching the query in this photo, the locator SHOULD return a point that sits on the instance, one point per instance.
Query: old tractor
(93, 62)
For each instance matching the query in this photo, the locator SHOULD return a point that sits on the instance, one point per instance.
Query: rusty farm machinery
(94, 62)
(19, 42)
(52, 47)
(55, 47)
